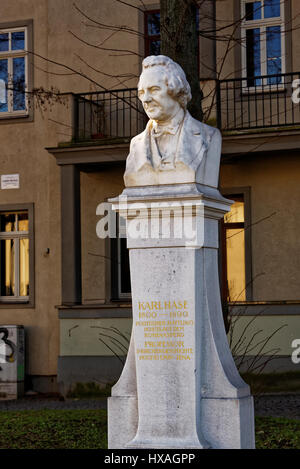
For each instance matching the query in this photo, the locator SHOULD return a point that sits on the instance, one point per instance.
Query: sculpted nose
(147, 97)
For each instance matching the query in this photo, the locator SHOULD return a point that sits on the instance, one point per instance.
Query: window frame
(28, 301)
(149, 38)
(116, 263)
(9, 56)
(27, 26)
(152, 9)
(245, 192)
(262, 24)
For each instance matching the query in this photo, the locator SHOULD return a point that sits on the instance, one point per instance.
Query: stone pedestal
(179, 387)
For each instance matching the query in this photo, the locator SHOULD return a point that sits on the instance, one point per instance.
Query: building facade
(68, 109)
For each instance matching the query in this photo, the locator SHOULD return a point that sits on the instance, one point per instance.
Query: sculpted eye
(140, 93)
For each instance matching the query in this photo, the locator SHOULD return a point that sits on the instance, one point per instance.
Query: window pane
(153, 24)
(23, 222)
(253, 56)
(8, 222)
(272, 8)
(273, 38)
(4, 42)
(3, 85)
(235, 252)
(7, 265)
(154, 48)
(19, 83)
(124, 265)
(236, 214)
(24, 267)
(253, 11)
(18, 40)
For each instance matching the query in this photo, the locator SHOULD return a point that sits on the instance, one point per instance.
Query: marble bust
(174, 147)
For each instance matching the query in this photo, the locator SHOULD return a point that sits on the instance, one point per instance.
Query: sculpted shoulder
(138, 152)
(135, 141)
(207, 131)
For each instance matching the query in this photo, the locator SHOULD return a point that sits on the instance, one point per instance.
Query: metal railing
(264, 101)
(239, 104)
(108, 114)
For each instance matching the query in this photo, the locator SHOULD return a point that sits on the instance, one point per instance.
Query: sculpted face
(153, 92)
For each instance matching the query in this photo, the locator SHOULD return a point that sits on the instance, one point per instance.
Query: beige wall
(226, 42)
(274, 182)
(295, 14)
(275, 195)
(53, 20)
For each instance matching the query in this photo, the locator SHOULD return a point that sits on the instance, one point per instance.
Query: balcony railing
(239, 104)
(108, 115)
(264, 101)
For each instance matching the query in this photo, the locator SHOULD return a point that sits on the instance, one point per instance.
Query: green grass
(277, 433)
(53, 429)
(90, 390)
(86, 429)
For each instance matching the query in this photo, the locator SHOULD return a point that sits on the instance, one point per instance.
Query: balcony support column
(70, 235)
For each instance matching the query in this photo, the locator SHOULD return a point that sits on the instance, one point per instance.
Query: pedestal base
(226, 424)
(180, 387)
(122, 421)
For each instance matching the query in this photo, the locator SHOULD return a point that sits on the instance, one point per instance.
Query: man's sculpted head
(163, 88)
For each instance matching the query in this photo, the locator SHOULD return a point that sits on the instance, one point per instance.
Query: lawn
(53, 429)
(86, 429)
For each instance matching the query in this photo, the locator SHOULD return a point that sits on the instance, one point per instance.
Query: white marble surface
(174, 148)
(179, 387)
(180, 377)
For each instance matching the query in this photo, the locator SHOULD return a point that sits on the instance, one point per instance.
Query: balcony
(115, 115)
(236, 106)
(261, 102)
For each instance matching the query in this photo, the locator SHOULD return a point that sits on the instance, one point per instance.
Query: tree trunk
(179, 41)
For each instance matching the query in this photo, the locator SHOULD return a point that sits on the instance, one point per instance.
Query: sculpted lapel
(194, 141)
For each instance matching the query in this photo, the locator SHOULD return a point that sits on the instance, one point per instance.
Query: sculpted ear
(212, 163)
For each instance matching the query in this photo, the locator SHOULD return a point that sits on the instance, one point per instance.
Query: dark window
(263, 36)
(120, 272)
(13, 72)
(152, 32)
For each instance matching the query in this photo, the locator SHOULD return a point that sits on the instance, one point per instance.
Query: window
(233, 247)
(13, 72)
(152, 32)
(16, 257)
(263, 51)
(120, 278)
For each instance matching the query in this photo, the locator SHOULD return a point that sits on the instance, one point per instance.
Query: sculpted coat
(196, 157)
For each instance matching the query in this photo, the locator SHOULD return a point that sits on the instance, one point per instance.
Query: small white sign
(10, 181)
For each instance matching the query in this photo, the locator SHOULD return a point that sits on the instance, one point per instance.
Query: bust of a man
(174, 147)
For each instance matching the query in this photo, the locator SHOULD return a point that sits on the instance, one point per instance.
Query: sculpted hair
(178, 86)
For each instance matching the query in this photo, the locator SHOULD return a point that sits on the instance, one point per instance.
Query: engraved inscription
(165, 326)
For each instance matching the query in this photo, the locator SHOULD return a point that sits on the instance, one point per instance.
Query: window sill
(280, 88)
(8, 118)
(16, 304)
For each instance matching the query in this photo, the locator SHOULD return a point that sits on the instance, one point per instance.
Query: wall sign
(10, 181)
